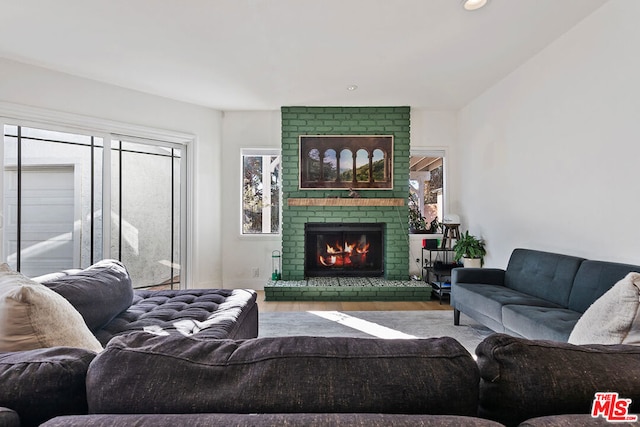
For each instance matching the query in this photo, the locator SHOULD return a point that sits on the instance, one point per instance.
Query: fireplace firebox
(344, 249)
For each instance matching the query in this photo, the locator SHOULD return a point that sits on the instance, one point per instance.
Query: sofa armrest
(44, 383)
(9, 417)
(523, 379)
(487, 276)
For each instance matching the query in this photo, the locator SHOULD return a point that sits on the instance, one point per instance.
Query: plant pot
(472, 262)
(418, 231)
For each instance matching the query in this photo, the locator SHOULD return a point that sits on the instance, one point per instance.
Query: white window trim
(438, 152)
(258, 152)
(23, 115)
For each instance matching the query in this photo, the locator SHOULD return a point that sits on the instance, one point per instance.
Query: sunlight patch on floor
(362, 325)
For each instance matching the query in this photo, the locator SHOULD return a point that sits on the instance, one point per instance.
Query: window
(260, 191)
(52, 200)
(145, 210)
(72, 199)
(426, 184)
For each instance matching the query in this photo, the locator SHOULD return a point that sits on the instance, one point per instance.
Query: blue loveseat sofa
(540, 295)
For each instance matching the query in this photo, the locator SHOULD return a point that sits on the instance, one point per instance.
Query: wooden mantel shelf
(338, 201)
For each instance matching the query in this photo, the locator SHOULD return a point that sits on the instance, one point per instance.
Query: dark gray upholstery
(41, 384)
(492, 298)
(9, 418)
(522, 379)
(544, 275)
(270, 420)
(593, 279)
(541, 295)
(551, 323)
(211, 313)
(487, 276)
(103, 294)
(574, 420)
(166, 381)
(99, 292)
(176, 374)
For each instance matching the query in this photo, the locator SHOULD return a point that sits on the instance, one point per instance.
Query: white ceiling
(263, 54)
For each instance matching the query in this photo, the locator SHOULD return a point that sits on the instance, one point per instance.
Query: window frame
(258, 152)
(442, 152)
(27, 116)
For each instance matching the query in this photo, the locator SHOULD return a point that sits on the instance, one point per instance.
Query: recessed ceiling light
(351, 88)
(474, 4)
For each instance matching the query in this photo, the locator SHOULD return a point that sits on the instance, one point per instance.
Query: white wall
(548, 157)
(241, 255)
(38, 87)
(431, 130)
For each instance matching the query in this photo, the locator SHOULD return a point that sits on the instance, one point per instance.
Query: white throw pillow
(614, 318)
(33, 316)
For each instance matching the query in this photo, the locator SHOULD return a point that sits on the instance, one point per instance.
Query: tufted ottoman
(103, 295)
(209, 313)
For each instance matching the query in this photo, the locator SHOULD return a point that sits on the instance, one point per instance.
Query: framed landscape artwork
(346, 161)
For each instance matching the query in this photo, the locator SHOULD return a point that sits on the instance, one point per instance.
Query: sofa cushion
(210, 313)
(9, 418)
(542, 274)
(33, 316)
(269, 420)
(593, 279)
(99, 292)
(139, 373)
(614, 318)
(44, 383)
(540, 323)
(522, 379)
(491, 298)
(573, 420)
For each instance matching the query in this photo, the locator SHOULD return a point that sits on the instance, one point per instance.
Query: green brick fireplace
(298, 121)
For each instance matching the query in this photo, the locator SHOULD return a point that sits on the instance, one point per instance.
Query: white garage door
(50, 238)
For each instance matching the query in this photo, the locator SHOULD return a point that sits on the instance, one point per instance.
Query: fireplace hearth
(344, 249)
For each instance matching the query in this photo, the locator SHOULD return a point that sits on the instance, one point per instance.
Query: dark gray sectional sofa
(540, 295)
(148, 380)
(36, 385)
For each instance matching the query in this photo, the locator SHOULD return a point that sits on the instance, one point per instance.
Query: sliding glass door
(145, 211)
(52, 200)
(71, 199)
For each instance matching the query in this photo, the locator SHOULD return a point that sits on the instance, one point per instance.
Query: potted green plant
(417, 222)
(435, 225)
(470, 249)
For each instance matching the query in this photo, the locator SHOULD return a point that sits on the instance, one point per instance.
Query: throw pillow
(614, 318)
(99, 292)
(33, 316)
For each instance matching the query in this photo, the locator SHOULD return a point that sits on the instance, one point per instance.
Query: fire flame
(328, 261)
(340, 255)
(332, 250)
(363, 249)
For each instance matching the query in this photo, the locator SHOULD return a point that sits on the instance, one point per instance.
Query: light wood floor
(264, 306)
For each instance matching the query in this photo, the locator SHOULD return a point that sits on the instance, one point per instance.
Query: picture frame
(363, 162)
